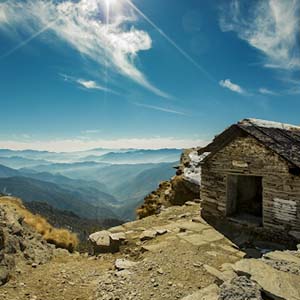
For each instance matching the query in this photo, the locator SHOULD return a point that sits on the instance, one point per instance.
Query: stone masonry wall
(246, 156)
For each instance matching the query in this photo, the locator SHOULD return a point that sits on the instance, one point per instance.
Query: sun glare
(111, 7)
(111, 4)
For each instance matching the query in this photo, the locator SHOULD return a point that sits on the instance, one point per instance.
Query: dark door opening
(244, 198)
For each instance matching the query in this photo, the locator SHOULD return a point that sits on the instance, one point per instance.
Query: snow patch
(269, 124)
(192, 173)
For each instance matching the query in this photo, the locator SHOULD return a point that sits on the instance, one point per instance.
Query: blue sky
(140, 73)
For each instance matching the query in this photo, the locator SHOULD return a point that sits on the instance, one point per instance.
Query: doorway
(244, 198)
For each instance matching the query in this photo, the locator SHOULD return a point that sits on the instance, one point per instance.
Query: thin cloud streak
(87, 84)
(159, 108)
(267, 92)
(178, 48)
(26, 41)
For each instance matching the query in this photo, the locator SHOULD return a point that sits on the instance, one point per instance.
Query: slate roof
(283, 139)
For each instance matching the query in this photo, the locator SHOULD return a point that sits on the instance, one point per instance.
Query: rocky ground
(172, 255)
(183, 187)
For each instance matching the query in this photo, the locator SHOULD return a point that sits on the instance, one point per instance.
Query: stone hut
(250, 174)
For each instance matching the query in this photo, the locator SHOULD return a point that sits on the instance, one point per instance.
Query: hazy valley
(98, 184)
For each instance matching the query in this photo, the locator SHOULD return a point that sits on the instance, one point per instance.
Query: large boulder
(106, 242)
(276, 284)
(19, 243)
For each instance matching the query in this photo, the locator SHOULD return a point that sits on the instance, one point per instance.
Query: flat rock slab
(194, 239)
(155, 247)
(283, 255)
(211, 235)
(201, 238)
(148, 235)
(221, 276)
(209, 293)
(118, 236)
(228, 248)
(277, 284)
(116, 229)
(192, 226)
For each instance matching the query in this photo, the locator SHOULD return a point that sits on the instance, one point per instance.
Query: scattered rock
(124, 264)
(106, 242)
(161, 231)
(276, 284)
(240, 288)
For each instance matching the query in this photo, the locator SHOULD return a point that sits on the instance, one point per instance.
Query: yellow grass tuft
(61, 238)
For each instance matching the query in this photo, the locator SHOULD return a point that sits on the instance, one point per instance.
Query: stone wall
(246, 156)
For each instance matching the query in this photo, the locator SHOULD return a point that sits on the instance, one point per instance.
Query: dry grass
(62, 238)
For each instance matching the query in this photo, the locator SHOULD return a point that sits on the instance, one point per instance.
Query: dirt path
(67, 277)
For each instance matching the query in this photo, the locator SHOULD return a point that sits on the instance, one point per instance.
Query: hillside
(173, 255)
(21, 162)
(69, 220)
(36, 190)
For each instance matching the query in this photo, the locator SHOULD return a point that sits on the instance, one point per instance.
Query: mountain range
(94, 184)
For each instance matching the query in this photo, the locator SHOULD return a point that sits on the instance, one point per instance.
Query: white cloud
(231, 86)
(68, 145)
(90, 84)
(87, 84)
(107, 37)
(271, 26)
(267, 92)
(159, 108)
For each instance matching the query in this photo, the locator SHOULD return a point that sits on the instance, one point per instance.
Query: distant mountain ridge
(29, 189)
(138, 156)
(114, 180)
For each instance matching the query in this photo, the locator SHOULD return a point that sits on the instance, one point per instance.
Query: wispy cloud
(77, 144)
(87, 84)
(231, 86)
(271, 26)
(267, 92)
(159, 108)
(89, 26)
